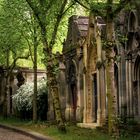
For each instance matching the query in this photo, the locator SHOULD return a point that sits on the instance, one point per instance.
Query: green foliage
(10, 36)
(17, 32)
(16, 29)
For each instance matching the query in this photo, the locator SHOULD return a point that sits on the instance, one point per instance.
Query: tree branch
(29, 45)
(48, 7)
(40, 15)
(36, 11)
(58, 20)
(87, 2)
(121, 5)
(98, 12)
(82, 4)
(68, 8)
(109, 10)
(14, 63)
(92, 8)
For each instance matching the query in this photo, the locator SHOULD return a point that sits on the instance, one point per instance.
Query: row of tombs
(82, 83)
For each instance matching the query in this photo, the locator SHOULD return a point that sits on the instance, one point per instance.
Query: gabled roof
(77, 29)
(82, 25)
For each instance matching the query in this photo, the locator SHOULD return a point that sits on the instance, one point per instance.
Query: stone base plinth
(68, 114)
(88, 125)
(50, 115)
(79, 114)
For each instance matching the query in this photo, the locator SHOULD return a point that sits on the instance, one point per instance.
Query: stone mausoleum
(83, 83)
(16, 79)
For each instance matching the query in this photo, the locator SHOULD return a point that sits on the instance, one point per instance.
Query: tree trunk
(35, 78)
(53, 88)
(111, 92)
(35, 86)
(6, 107)
(51, 65)
(49, 59)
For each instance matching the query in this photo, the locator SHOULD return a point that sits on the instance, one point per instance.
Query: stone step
(88, 125)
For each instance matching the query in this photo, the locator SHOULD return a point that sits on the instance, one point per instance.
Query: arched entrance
(136, 87)
(73, 88)
(95, 97)
(117, 85)
(133, 21)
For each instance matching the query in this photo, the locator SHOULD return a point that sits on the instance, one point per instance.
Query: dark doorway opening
(95, 96)
(73, 88)
(117, 86)
(74, 100)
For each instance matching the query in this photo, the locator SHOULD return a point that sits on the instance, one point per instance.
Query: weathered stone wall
(83, 53)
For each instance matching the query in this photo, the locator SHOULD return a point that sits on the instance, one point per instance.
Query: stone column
(80, 104)
(68, 110)
(89, 98)
(101, 89)
(101, 93)
(130, 88)
(138, 92)
(85, 100)
(84, 82)
(99, 60)
(120, 88)
(127, 87)
(103, 97)
(78, 98)
(123, 85)
(99, 98)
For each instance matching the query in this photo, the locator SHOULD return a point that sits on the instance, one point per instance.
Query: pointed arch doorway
(136, 88)
(73, 89)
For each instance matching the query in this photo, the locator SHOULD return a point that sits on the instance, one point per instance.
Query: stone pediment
(77, 30)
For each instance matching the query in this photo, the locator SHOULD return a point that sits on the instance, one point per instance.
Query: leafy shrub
(23, 100)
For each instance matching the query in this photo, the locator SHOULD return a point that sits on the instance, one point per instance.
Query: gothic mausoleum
(83, 80)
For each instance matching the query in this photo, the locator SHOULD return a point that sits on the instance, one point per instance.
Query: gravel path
(6, 134)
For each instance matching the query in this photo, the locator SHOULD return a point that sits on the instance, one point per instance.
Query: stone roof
(82, 25)
(77, 30)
